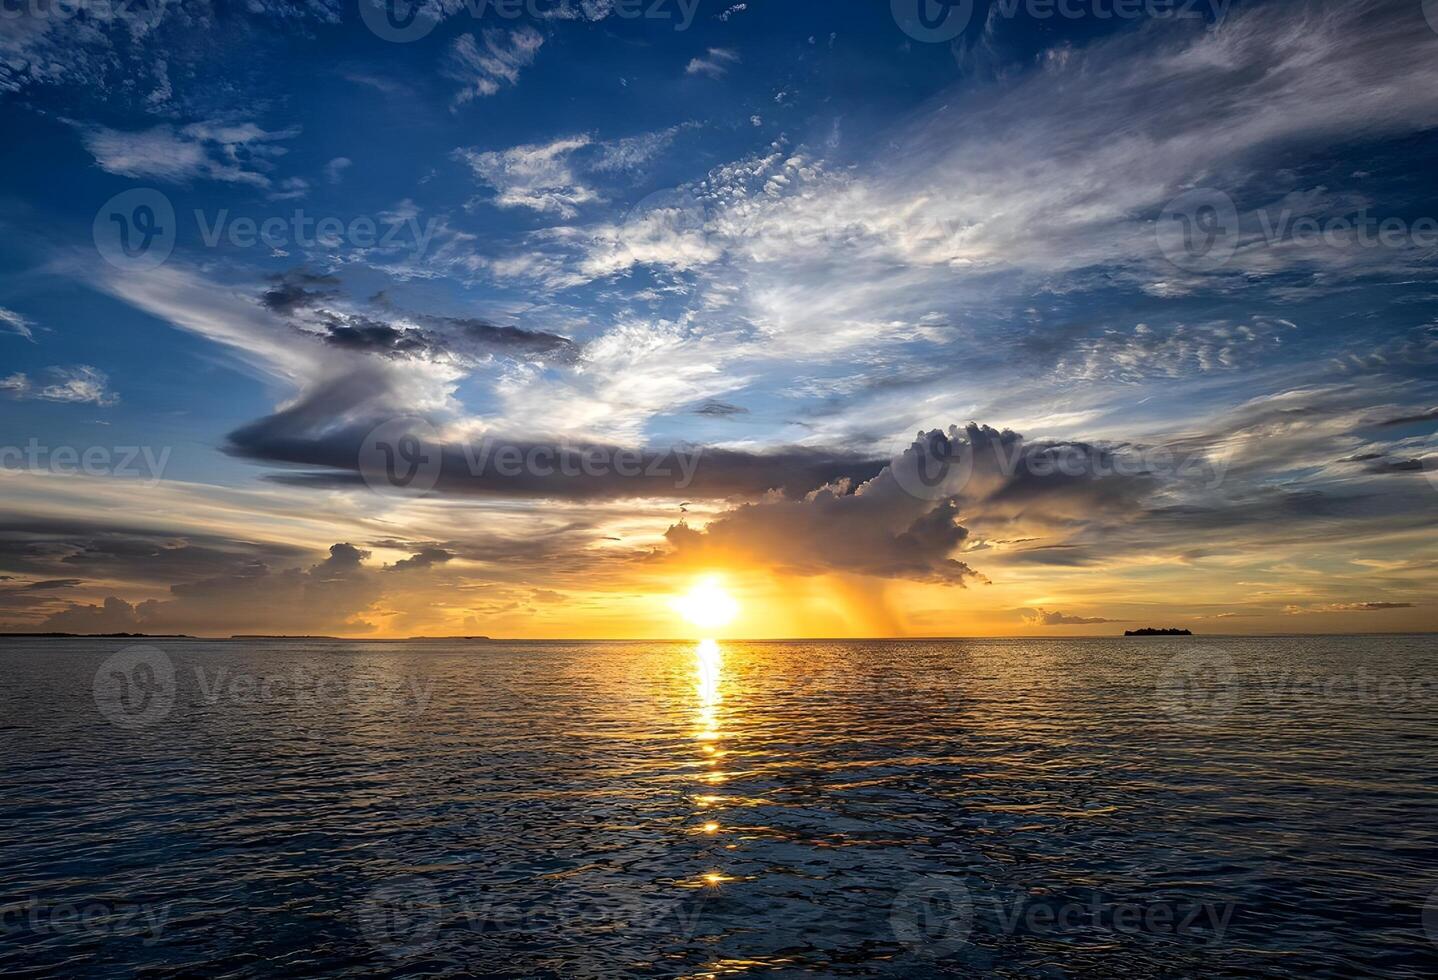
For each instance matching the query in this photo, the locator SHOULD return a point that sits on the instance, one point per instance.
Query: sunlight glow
(707, 605)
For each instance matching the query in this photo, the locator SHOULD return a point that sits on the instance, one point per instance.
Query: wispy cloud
(716, 63)
(484, 68)
(80, 383)
(13, 322)
(239, 153)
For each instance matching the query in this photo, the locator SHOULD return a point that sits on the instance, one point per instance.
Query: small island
(1150, 631)
(98, 636)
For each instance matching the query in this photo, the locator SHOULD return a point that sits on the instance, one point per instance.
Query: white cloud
(335, 169)
(80, 383)
(483, 70)
(230, 152)
(715, 64)
(538, 177)
(15, 323)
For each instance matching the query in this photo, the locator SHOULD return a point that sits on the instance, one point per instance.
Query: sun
(708, 605)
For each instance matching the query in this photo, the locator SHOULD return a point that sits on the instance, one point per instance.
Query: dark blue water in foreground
(1135, 808)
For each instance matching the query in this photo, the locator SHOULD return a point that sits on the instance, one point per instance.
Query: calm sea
(1109, 807)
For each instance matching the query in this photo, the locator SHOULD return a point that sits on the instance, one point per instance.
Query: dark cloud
(291, 293)
(306, 434)
(388, 332)
(1429, 416)
(720, 410)
(427, 558)
(326, 597)
(54, 549)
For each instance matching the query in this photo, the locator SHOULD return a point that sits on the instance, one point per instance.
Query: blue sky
(793, 233)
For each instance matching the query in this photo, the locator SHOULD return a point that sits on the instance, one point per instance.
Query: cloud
(1045, 617)
(335, 169)
(231, 152)
(1331, 607)
(912, 518)
(425, 558)
(314, 305)
(13, 322)
(537, 177)
(483, 70)
(631, 153)
(327, 596)
(715, 64)
(80, 384)
(720, 410)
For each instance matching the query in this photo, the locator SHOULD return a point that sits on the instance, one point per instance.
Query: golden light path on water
(708, 665)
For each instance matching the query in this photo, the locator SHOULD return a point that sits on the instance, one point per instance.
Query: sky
(903, 319)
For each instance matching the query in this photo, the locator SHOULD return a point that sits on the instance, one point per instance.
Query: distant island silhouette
(1150, 631)
(100, 636)
(363, 639)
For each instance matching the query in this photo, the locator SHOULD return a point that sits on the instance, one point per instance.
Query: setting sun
(707, 605)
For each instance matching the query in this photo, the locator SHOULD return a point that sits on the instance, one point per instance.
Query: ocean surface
(1019, 808)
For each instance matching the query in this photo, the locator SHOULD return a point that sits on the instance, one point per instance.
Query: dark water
(1154, 807)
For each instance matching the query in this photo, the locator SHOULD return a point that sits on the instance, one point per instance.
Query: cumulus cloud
(327, 596)
(912, 518)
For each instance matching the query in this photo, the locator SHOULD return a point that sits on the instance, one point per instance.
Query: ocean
(1139, 807)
